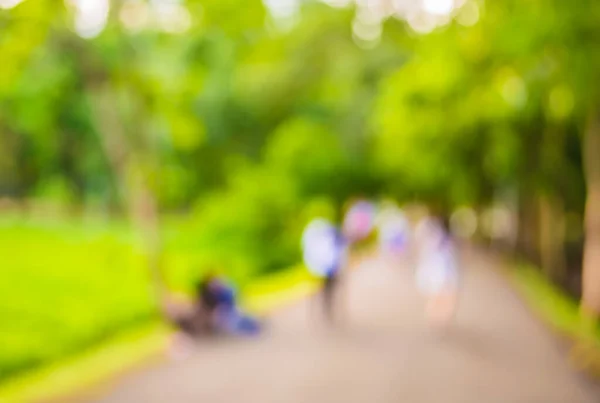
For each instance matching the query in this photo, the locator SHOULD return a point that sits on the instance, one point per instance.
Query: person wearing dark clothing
(331, 283)
(324, 250)
(217, 300)
(214, 311)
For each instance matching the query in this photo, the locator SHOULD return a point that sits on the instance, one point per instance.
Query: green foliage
(309, 154)
(246, 227)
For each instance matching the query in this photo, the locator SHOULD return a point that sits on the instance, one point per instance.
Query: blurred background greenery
(145, 141)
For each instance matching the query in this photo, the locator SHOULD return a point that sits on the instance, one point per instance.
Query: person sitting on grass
(217, 300)
(212, 312)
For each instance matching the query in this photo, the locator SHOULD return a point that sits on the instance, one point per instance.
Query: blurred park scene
(146, 142)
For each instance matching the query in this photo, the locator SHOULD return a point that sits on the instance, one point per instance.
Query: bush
(246, 229)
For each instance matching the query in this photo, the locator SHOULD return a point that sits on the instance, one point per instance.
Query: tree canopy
(245, 113)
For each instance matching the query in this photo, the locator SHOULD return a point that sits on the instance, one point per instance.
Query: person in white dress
(437, 272)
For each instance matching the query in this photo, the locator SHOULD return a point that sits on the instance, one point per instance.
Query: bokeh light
(135, 15)
(90, 16)
(468, 14)
(438, 7)
(463, 222)
(172, 16)
(7, 4)
(514, 92)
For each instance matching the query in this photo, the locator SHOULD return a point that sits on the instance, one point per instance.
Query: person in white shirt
(437, 271)
(325, 254)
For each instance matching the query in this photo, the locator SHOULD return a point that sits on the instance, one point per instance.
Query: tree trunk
(528, 205)
(591, 254)
(147, 221)
(132, 183)
(130, 176)
(552, 237)
(527, 231)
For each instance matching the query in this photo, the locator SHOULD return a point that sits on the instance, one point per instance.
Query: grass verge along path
(562, 313)
(137, 347)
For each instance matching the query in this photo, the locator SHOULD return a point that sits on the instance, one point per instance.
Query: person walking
(437, 271)
(325, 253)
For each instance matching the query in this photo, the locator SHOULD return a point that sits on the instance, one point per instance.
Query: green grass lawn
(76, 301)
(81, 373)
(84, 372)
(65, 287)
(69, 285)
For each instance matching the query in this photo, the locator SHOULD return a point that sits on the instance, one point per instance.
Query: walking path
(496, 352)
